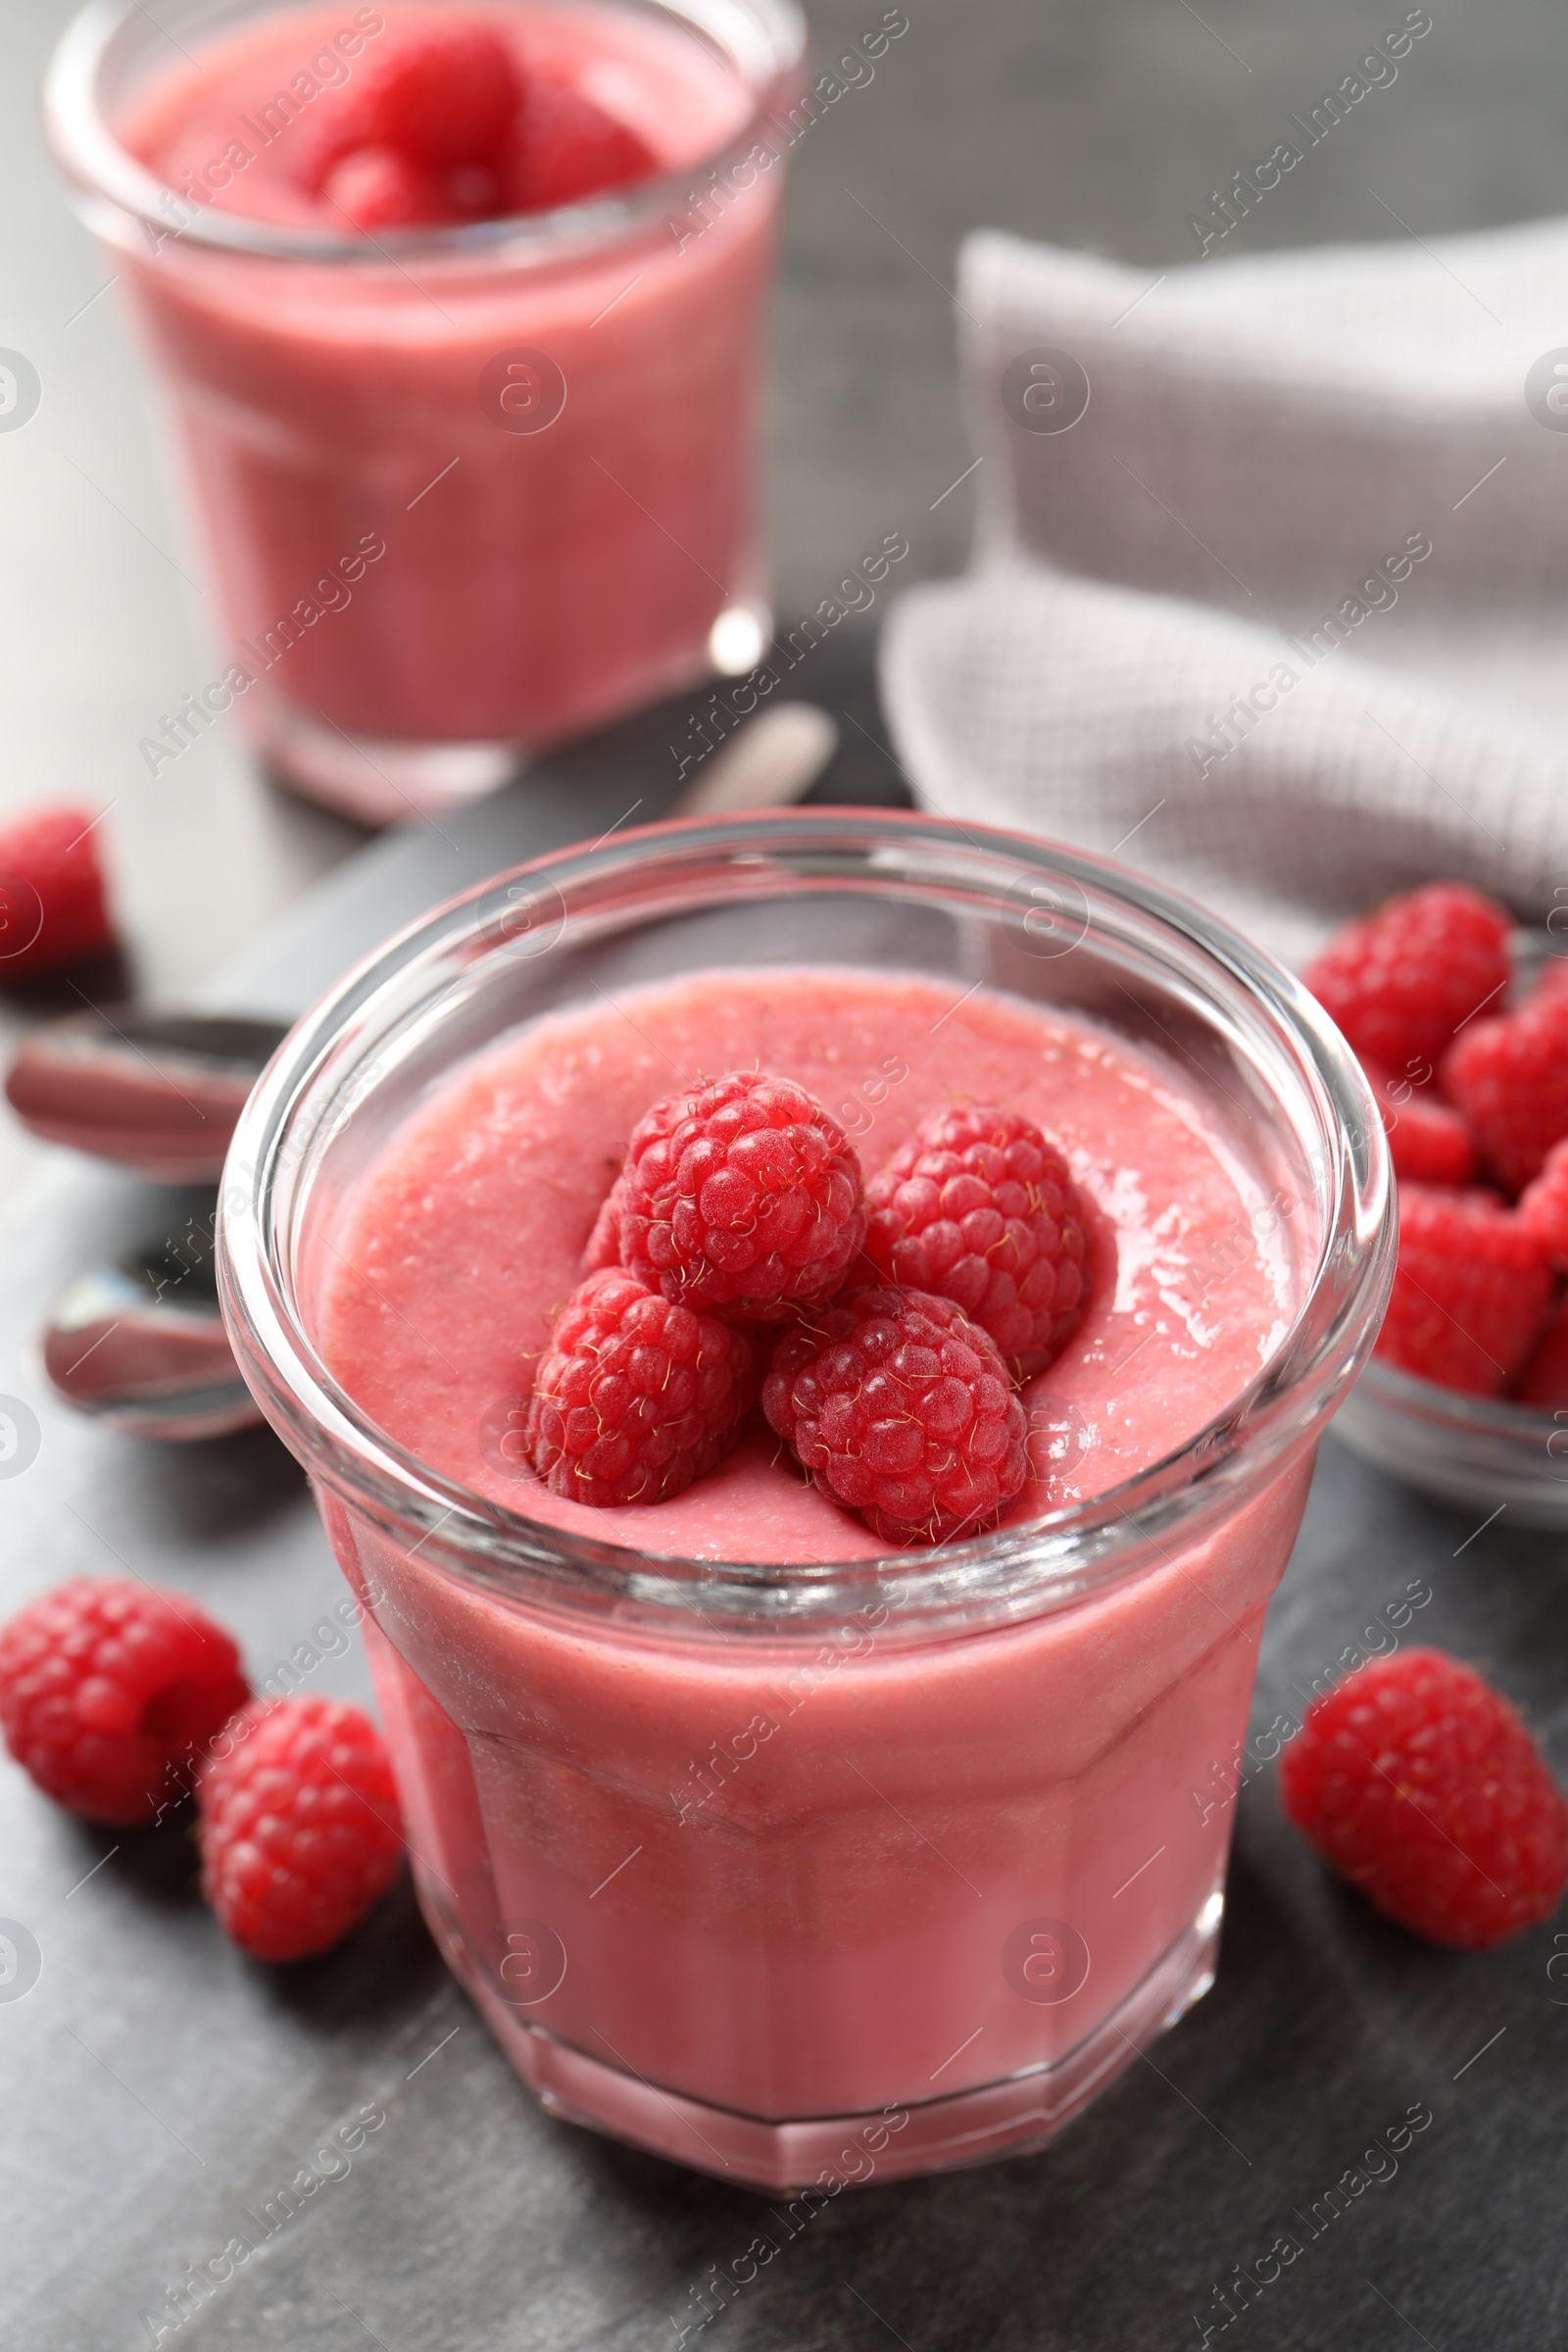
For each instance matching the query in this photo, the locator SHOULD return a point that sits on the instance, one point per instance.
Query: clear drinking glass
(464, 490)
(907, 1928)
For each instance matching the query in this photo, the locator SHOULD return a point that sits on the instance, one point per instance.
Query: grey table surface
(160, 2092)
(154, 2088)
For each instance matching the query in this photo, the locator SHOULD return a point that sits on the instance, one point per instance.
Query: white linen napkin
(1270, 590)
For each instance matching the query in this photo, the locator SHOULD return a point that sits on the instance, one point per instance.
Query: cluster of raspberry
(118, 1699)
(885, 1325)
(443, 126)
(1473, 1089)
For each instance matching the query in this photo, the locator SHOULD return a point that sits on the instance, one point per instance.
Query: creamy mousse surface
(453, 1249)
(237, 127)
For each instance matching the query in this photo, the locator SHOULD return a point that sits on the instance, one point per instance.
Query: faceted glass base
(1009, 2118)
(375, 780)
(384, 780)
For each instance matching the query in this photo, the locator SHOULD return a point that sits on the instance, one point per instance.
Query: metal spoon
(159, 1091)
(140, 1343)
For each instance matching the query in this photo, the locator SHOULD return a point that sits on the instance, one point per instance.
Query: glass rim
(105, 172)
(1009, 1571)
(1430, 1403)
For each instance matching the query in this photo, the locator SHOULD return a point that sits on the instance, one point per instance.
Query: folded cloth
(1270, 591)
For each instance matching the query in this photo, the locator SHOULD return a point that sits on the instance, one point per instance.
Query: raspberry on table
(903, 1409)
(1420, 1784)
(1510, 1077)
(1428, 1140)
(978, 1206)
(1471, 1290)
(110, 1691)
(1399, 982)
(300, 1829)
(54, 910)
(566, 148)
(742, 1197)
(636, 1395)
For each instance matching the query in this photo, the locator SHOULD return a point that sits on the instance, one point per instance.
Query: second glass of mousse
(460, 312)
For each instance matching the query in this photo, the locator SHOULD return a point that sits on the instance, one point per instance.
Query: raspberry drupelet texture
(978, 1208)
(903, 1409)
(742, 1197)
(1470, 1293)
(636, 1396)
(1399, 982)
(1418, 1781)
(300, 1829)
(110, 1693)
(1510, 1077)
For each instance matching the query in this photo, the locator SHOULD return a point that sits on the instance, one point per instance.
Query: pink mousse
(396, 559)
(470, 1231)
(820, 1869)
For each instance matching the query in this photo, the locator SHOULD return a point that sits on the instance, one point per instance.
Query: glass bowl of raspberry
(458, 312)
(809, 1335)
(1460, 1019)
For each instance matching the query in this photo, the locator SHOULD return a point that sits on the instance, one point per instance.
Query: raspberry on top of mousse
(742, 1196)
(979, 1208)
(904, 1410)
(636, 1395)
(446, 126)
(739, 1205)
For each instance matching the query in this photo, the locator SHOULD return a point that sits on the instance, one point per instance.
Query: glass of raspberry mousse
(809, 1335)
(459, 310)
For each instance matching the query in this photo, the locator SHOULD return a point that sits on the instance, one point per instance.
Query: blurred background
(1100, 123)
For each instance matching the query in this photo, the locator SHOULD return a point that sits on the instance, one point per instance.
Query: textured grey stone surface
(154, 2087)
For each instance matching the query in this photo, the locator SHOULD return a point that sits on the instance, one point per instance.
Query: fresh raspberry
(1399, 982)
(604, 1243)
(1470, 1291)
(1428, 1140)
(903, 1409)
(378, 187)
(978, 1206)
(1544, 1382)
(300, 1828)
(1543, 1205)
(1419, 1783)
(636, 1396)
(566, 148)
(53, 910)
(742, 1196)
(109, 1693)
(447, 94)
(1509, 1076)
